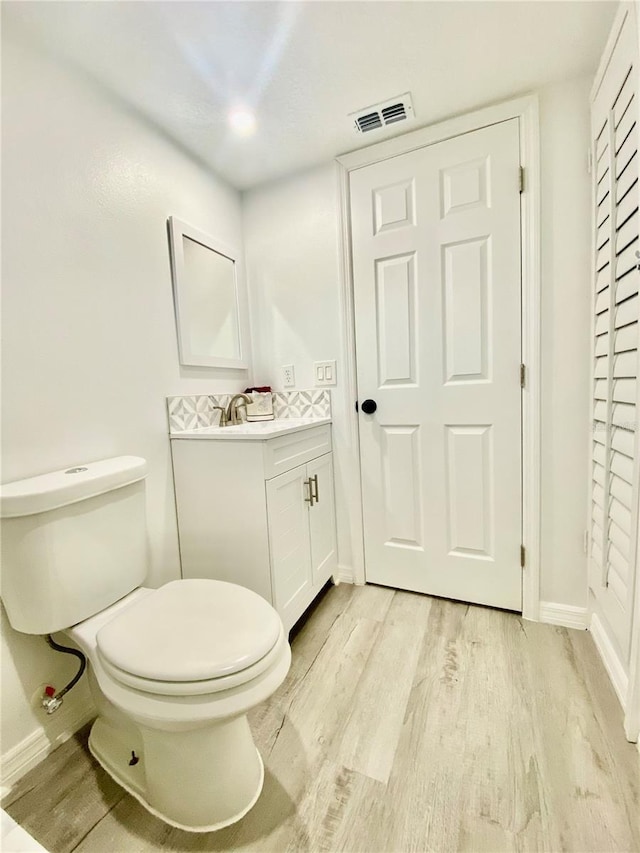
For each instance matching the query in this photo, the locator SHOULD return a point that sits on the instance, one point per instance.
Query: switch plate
(288, 376)
(324, 372)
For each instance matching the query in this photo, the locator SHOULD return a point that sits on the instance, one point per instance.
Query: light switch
(325, 372)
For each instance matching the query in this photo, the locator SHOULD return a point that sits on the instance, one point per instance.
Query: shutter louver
(616, 306)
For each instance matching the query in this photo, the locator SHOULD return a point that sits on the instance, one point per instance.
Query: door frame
(525, 109)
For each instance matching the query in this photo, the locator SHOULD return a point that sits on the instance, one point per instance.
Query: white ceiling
(304, 66)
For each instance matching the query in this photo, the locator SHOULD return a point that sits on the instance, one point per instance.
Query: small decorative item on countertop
(261, 409)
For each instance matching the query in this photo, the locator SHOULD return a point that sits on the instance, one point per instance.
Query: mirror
(206, 297)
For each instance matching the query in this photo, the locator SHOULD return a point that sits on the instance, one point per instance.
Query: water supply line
(51, 703)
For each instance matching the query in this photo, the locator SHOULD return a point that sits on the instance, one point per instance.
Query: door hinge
(523, 375)
(523, 556)
(521, 179)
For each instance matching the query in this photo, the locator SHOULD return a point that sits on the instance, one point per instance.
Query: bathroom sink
(258, 431)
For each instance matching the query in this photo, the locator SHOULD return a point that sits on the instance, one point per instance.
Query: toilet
(173, 671)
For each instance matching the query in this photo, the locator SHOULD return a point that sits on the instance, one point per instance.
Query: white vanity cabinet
(258, 511)
(300, 515)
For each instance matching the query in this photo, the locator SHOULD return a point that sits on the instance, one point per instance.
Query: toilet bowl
(173, 671)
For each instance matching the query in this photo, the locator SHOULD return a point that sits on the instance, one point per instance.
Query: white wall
(291, 246)
(566, 331)
(293, 267)
(89, 343)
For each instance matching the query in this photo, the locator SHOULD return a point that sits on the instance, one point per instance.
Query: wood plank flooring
(407, 723)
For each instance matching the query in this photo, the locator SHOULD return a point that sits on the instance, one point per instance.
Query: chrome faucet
(235, 402)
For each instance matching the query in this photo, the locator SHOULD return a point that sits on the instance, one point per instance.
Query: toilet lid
(191, 630)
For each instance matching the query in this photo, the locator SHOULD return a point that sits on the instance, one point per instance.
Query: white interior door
(436, 266)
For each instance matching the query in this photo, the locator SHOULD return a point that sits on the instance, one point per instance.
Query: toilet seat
(196, 688)
(168, 705)
(190, 637)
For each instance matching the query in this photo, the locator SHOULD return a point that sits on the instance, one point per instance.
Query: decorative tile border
(302, 404)
(197, 411)
(194, 412)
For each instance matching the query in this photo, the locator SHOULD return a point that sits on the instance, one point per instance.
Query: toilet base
(168, 773)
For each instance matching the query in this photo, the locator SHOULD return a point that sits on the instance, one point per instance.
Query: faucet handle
(223, 415)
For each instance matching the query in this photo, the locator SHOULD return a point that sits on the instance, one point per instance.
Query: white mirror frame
(177, 231)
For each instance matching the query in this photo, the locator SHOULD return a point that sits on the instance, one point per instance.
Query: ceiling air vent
(381, 115)
(396, 112)
(369, 121)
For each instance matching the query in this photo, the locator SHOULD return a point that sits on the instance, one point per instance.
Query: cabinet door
(290, 546)
(322, 519)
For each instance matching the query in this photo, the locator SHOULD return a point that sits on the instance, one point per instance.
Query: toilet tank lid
(59, 488)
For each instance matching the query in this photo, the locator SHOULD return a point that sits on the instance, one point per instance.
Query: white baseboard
(344, 574)
(35, 747)
(610, 659)
(564, 614)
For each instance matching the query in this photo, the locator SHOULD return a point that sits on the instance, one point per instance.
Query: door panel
(466, 304)
(393, 206)
(436, 264)
(395, 301)
(471, 511)
(401, 484)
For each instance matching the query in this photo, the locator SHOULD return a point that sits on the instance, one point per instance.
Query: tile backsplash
(194, 412)
(302, 404)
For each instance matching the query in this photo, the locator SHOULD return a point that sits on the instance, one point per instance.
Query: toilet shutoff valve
(51, 702)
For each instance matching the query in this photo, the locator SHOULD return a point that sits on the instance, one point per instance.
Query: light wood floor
(406, 724)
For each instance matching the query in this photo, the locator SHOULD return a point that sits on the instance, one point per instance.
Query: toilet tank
(73, 542)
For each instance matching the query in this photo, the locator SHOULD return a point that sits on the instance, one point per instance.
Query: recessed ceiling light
(242, 121)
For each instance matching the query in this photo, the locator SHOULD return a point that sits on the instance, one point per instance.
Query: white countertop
(258, 431)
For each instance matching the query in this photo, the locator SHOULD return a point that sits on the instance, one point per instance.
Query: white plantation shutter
(616, 304)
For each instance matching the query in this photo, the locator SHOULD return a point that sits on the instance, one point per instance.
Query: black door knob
(369, 407)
